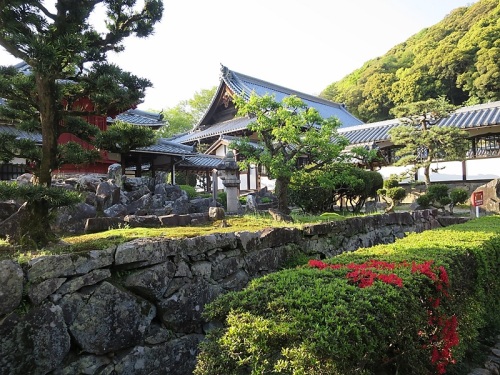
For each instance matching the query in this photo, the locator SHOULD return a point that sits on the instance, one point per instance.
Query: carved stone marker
(228, 173)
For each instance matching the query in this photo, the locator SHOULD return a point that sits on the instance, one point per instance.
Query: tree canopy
(66, 77)
(185, 115)
(122, 137)
(422, 141)
(458, 58)
(66, 56)
(292, 137)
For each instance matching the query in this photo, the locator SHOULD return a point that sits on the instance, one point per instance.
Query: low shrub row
(417, 306)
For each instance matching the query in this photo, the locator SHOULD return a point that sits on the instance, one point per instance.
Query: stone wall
(136, 308)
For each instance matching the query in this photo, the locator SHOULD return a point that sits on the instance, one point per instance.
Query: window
(389, 154)
(486, 145)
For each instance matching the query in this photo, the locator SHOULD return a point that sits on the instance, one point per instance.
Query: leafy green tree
(422, 141)
(318, 191)
(457, 58)
(178, 119)
(287, 131)
(123, 137)
(185, 115)
(68, 70)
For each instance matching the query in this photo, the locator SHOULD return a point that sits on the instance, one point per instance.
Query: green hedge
(416, 306)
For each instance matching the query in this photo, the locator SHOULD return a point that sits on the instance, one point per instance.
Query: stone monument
(227, 170)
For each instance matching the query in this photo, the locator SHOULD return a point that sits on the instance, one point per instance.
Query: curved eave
(227, 127)
(242, 84)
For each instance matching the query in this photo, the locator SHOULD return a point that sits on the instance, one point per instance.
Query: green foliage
(122, 137)
(310, 321)
(34, 230)
(185, 115)
(68, 79)
(320, 190)
(392, 193)
(422, 141)
(53, 196)
(391, 182)
(265, 200)
(458, 196)
(179, 121)
(190, 190)
(438, 196)
(185, 179)
(424, 201)
(67, 56)
(396, 194)
(222, 199)
(287, 131)
(456, 58)
(331, 215)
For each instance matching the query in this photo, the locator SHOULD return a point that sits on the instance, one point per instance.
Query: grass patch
(104, 240)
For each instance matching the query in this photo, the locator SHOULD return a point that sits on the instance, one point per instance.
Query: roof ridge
(227, 73)
(478, 106)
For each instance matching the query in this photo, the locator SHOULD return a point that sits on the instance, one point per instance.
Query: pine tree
(66, 69)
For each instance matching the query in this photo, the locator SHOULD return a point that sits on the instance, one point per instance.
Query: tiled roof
(377, 131)
(141, 118)
(230, 126)
(21, 134)
(200, 161)
(244, 85)
(474, 116)
(465, 118)
(164, 146)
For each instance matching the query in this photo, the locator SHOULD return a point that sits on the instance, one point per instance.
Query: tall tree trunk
(281, 191)
(49, 118)
(37, 228)
(427, 175)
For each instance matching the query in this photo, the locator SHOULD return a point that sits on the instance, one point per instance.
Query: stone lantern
(227, 170)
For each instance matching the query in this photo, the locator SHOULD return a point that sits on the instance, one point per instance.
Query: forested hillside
(458, 57)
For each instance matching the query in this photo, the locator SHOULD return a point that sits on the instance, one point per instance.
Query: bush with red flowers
(413, 307)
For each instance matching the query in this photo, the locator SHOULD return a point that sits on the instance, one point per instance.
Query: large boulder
(95, 327)
(8, 209)
(36, 343)
(72, 219)
(88, 182)
(10, 227)
(11, 286)
(115, 173)
(491, 198)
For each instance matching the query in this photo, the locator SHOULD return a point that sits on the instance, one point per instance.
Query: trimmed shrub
(222, 199)
(424, 201)
(190, 190)
(416, 306)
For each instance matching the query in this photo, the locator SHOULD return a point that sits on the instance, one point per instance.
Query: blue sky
(302, 45)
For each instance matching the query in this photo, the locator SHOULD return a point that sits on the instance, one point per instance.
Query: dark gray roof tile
(140, 118)
(200, 161)
(230, 126)
(242, 84)
(465, 118)
(164, 146)
(21, 134)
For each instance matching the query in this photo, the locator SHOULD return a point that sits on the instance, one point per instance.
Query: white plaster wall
(221, 150)
(266, 182)
(483, 169)
(386, 172)
(446, 171)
